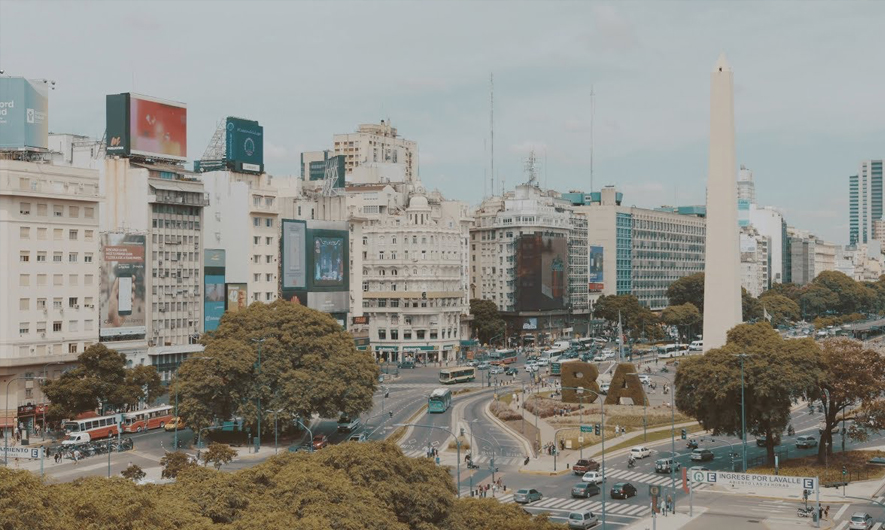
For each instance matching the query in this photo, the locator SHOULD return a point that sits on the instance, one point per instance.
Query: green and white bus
(462, 374)
(439, 400)
(556, 366)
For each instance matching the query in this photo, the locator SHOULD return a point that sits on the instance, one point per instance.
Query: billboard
(315, 257)
(214, 291)
(122, 291)
(595, 278)
(237, 297)
(530, 324)
(24, 113)
(150, 127)
(328, 261)
(294, 262)
(317, 169)
(244, 144)
(541, 272)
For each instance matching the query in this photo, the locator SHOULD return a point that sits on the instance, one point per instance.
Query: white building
(376, 144)
(771, 224)
(49, 240)
(755, 261)
(746, 188)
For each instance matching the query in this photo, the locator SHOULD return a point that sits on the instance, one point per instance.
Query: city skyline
(647, 63)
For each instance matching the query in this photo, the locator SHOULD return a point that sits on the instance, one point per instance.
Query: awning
(7, 421)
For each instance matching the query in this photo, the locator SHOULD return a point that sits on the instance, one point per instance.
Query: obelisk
(722, 260)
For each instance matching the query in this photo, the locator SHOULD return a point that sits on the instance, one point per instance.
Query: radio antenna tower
(492, 127)
(592, 112)
(531, 169)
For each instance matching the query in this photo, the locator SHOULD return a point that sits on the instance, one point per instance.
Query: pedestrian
(820, 512)
(669, 502)
(827, 512)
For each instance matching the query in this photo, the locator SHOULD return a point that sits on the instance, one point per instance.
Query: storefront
(27, 418)
(387, 354)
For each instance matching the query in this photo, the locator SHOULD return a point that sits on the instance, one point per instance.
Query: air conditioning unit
(76, 306)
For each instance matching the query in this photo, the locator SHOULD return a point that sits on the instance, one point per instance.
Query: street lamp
(672, 436)
(743, 356)
(491, 464)
(6, 402)
(260, 342)
(457, 446)
(309, 432)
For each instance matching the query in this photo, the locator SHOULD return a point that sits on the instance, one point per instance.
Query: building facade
(755, 261)
(376, 144)
(865, 201)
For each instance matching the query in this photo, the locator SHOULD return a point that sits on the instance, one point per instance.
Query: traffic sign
(727, 478)
(580, 439)
(21, 452)
(587, 428)
(654, 491)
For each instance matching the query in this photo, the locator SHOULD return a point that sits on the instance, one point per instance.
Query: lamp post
(743, 356)
(6, 403)
(309, 432)
(45, 378)
(492, 464)
(457, 446)
(672, 436)
(258, 443)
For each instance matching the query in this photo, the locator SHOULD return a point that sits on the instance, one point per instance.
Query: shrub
(503, 412)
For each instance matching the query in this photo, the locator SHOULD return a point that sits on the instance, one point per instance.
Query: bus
(552, 352)
(556, 367)
(503, 357)
(146, 419)
(668, 351)
(464, 374)
(440, 400)
(96, 427)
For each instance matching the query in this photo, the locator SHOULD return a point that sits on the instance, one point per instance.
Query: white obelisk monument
(722, 261)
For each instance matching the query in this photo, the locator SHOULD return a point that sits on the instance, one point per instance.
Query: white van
(697, 345)
(76, 438)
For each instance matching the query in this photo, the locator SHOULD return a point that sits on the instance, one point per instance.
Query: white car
(604, 387)
(594, 477)
(543, 362)
(646, 380)
(640, 452)
(531, 368)
(860, 521)
(599, 358)
(496, 370)
(608, 355)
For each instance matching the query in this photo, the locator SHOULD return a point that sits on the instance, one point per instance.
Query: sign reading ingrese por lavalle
(729, 479)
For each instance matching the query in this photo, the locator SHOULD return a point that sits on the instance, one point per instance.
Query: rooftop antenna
(546, 182)
(531, 169)
(492, 127)
(485, 170)
(592, 112)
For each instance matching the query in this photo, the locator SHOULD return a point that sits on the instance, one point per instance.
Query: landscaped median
(856, 464)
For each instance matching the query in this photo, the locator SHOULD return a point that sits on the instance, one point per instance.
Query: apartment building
(865, 197)
(755, 261)
(376, 144)
(49, 240)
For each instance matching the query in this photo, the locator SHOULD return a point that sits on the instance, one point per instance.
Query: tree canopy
(637, 321)
(688, 290)
(351, 486)
(487, 322)
(777, 372)
(100, 379)
(308, 365)
(780, 309)
(685, 317)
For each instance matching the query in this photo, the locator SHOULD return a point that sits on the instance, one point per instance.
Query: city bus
(146, 419)
(96, 427)
(440, 400)
(503, 357)
(463, 374)
(556, 367)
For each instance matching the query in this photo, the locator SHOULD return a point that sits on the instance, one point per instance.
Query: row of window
(24, 280)
(257, 221)
(175, 223)
(256, 240)
(268, 258)
(25, 257)
(268, 277)
(24, 304)
(57, 234)
(419, 334)
(58, 210)
(24, 328)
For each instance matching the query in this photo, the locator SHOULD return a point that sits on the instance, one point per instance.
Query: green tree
(751, 309)
(636, 320)
(854, 380)
(174, 463)
(309, 365)
(777, 372)
(684, 317)
(853, 297)
(781, 309)
(487, 322)
(100, 379)
(133, 473)
(790, 290)
(688, 290)
(218, 454)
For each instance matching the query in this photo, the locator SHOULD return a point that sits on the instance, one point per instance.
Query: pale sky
(808, 85)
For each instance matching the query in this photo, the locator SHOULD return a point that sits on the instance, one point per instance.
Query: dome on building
(418, 202)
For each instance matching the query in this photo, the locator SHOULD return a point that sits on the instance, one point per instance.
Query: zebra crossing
(654, 479)
(450, 459)
(574, 505)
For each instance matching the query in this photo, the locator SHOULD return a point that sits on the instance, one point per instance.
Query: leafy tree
(854, 381)
(309, 365)
(688, 290)
(133, 473)
(684, 317)
(487, 322)
(100, 379)
(636, 320)
(790, 290)
(218, 454)
(750, 307)
(781, 309)
(777, 372)
(853, 297)
(174, 463)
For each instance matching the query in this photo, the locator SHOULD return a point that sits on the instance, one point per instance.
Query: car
(702, 455)
(346, 424)
(584, 465)
(697, 345)
(543, 362)
(599, 358)
(665, 465)
(496, 370)
(511, 371)
(175, 423)
(604, 387)
(585, 490)
(606, 355)
(761, 441)
(525, 496)
(320, 441)
(645, 380)
(406, 364)
(361, 437)
(531, 368)
(640, 452)
(582, 520)
(806, 441)
(472, 363)
(483, 366)
(860, 521)
(623, 490)
(306, 447)
(594, 477)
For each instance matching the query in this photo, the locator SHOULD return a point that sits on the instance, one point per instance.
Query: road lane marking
(840, 512)
(842, 525)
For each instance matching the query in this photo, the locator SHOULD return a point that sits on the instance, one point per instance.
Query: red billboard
(157, 128)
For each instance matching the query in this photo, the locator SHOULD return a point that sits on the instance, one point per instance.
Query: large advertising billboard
(122, 290)
(244, 144)
(294, 261)
(541, 272)
(146, 126)
(595, 278)
(237, 297)
(24, 113)
(318, 169)
(315, 264)
(215, 294)
(328, 260)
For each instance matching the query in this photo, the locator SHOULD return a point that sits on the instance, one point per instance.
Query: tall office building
(865, 201)
(374, 144)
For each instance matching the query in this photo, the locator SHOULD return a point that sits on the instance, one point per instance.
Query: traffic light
(596, 429)
(844, 471)
(684, 434)
(805, 495)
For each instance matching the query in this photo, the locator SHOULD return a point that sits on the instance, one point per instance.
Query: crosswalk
(844, 524)
(482, 461)
(654, 479)
(574, 505)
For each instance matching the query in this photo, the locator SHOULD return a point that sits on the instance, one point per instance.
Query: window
(41, 303)
(73, 325)
(256, 240)
(41, 280)
(72, 257)
(88, 235)
(89, 213)
(73, 303)
(41, 210)
(56, 257)
(88, 302)
(24, 208)
(72, 347)
(41, 257)
(24, 304)
(87, 325)
(407, 335)
(58, 211)
(24, 328)
(394, 302)
(394, 334)
(268, 258)
(73, 211)
(268, 296)
(72, 280)
(256, 277)
(24, 280)
(420, 334)
(382, 334)
(380, 254)
(72, 235)
(56, 303)
(268, 277)
(24, 257)
(256, 221)
(56, 326)
(57, 280)
(87, 258)
(41, 327)
(365, 287)
(382, 302)
(268, 241)
(268, 222)
(57, 234)
(365, 241)
(24, 232)
(87, 280)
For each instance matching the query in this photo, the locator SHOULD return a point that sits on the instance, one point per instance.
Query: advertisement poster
(214, 294)
(24, 113)
(595, 278)
(244, 144)
(237, 297)
(530, 324)
(541, 273)
(294, 263)
(157, 128)
(122, 289)
(328, 261)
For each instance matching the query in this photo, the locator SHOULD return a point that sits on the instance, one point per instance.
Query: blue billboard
(595, 277)
(244, 145)
(24, 113)
(214, 296)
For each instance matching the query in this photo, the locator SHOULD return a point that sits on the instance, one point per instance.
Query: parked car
(361, 437)
(320, 441)
(640, 452)
(806, 441)
(860, 521)
(702, 455)
(582, 520)
(665, 465)
(525, 496)
(175, 423)
(623, 490)
(584, 465)
(406, 364)
(585, 490)
(594, 477)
